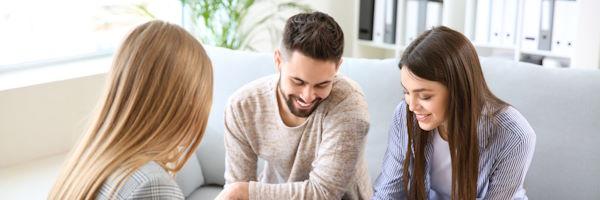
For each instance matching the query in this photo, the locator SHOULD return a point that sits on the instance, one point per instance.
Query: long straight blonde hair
(155, 108)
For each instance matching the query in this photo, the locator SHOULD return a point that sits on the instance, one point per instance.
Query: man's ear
(339, 63)
(278, 60)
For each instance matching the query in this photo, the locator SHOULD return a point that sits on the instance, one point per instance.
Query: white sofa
(562, 105)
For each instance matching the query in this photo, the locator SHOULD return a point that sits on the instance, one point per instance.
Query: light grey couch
(562, 106)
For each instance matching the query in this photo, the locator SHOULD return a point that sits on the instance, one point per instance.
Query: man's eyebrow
(303, 81)
(298, 79)
(324, 82)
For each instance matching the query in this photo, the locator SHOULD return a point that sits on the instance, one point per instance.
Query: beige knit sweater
(321, 159)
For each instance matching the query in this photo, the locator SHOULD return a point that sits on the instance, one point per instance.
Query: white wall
(46, 119)
(587, 46)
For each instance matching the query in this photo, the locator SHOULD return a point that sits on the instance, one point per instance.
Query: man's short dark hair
(315, 35)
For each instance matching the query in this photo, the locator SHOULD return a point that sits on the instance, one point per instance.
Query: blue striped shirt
(506, 145)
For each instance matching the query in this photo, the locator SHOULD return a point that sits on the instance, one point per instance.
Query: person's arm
(514, 159)
(343, 139)
(240, 158)
(389, 184)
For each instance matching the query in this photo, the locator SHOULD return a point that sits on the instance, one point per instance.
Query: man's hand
(234, 191)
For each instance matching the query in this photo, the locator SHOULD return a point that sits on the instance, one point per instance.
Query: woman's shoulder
(400, 109)
(149, 181)
(512, 123)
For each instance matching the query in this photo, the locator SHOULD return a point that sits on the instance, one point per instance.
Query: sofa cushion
(190, 177)
(206, 192)
(380, 82)
(232, 70)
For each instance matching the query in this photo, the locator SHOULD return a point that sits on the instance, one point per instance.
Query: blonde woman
(151, 119)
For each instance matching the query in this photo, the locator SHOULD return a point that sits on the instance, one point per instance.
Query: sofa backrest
(232, 70)
(562, 106)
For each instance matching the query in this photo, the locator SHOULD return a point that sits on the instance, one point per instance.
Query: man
(307, 123)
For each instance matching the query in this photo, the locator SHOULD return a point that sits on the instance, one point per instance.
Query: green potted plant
(235, 24)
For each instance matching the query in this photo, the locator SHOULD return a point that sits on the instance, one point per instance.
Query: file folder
(482, 22)
(378, 21)
(509, 23)
(547, 15)
(365, 21)
(391, 7)
(531, 24)
(496, 22)
(565, 24)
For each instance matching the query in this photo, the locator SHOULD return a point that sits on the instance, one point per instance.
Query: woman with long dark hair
(451, 137)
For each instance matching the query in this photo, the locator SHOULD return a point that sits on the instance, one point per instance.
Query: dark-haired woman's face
(427, 99)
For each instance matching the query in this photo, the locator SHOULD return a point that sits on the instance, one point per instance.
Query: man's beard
(298, 112)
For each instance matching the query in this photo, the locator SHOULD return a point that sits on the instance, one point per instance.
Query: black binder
(365, 21)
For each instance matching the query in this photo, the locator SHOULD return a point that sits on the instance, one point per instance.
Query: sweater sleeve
(240, 158)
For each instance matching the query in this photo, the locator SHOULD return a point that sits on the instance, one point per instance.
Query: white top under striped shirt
(441, 167)
(506, 146)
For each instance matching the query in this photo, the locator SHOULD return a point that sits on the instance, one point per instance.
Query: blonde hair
(155, 108)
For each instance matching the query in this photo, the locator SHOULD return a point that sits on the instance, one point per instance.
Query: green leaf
(219, 22)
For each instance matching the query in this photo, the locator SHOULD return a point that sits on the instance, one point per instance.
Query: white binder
(482, 22)
(547, 15)
(434, 14)
(509, 23)
(412, 20)
(531, 25)
(497, 16)
(378, 21)
(563, 29)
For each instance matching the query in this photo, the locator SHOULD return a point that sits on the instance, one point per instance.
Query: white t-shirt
(441, 167)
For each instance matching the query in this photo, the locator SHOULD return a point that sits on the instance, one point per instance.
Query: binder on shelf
(509, 23)
(389, 35)
(421, 15)
(564, 26)
(496, 22)
(482, 21)
(531, 25)
(412, 19)
(378, 21)
(547, 14)
(434, 14)
(365, 21)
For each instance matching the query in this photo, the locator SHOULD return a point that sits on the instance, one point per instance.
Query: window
(39, 32)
